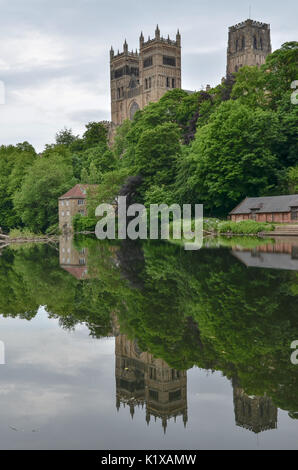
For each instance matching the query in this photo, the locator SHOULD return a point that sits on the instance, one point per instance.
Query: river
(147, 346)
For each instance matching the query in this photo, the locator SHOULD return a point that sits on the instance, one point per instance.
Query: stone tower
(257, 414)
(249, 44)
(147, 382)
(144, 76)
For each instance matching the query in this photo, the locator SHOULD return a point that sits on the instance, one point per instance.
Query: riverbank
(23, 237)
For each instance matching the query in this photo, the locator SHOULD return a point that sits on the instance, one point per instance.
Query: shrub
(249, 227)
(84, 224)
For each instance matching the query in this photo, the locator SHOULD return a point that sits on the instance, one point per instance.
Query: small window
(62, 203)
(175, 396)
(169, 61)
(294, 213)
(148, 62)
(68, 213)
(168, 82)
(63, 213)
(82, 261)
(81, 202)
(67, 203)
(154, 395)
(173, 82)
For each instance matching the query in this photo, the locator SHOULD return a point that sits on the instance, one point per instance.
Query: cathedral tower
(138, 78)
(249, 44)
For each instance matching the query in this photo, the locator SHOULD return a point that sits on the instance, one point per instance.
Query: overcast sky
(54, 54)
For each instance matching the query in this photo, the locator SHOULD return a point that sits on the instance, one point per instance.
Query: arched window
(237, 45)
(133, 109)
(243, 43)
(255, 43)
(261, 44)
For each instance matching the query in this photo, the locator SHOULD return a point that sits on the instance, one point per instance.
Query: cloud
(54, 55)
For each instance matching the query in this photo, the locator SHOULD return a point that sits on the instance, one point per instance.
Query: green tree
(232, 157)
(36, 203)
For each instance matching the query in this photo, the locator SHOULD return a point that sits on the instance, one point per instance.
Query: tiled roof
(79, 272)
(79, 191)
(266, 204)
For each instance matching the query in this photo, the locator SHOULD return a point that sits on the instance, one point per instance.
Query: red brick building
(279, 209)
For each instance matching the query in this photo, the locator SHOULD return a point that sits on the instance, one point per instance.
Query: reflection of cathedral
(72, 259)
(257, 414)
(142, 381)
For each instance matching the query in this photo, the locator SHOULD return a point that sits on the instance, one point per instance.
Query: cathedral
(145, 75)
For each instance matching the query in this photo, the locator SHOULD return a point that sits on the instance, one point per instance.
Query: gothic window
(261, 44)
(133, 83)
(237, 45)
(133, 109)
(243, 43)
(168, 82)
(169, 61)
(236, 68)
(173, 82)
(148, 62)
(119, 73)
(150, 82)
(154, 395)
(255, 43)
(175, 396)
(146, 84)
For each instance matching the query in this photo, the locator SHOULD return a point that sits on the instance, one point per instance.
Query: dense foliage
(237, 140)
(203, 308)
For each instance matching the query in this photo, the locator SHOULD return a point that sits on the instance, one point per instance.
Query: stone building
(72, 203)
(249, 44)
(143, 381)
(72, 259)
(256, 414)
(144, 76)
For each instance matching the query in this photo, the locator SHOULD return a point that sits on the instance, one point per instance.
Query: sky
(54, 54)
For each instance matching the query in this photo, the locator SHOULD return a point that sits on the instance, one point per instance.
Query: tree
(96, 133)
(156, 155)
(232, 157)
(14, 163)
(36, 203)
(66, 137)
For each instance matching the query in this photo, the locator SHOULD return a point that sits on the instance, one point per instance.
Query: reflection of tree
(188, 308)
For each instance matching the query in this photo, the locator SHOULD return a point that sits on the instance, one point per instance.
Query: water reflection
(282, 254)
(73, 260)
(144, 381)
(257, 414)
(173, 315)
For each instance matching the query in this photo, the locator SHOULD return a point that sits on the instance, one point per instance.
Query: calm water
(147, 346)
